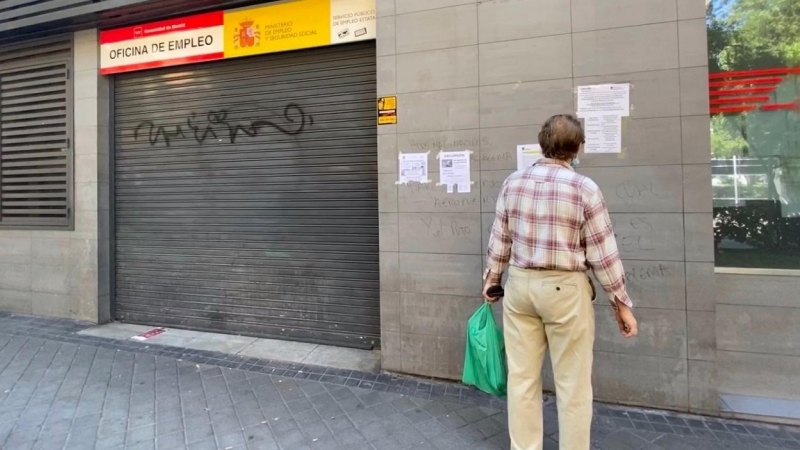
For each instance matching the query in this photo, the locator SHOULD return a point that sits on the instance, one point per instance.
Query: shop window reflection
(754, 88)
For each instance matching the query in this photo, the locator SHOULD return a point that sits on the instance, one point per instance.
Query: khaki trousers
(541, 309)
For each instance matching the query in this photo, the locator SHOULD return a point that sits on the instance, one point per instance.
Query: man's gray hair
(561, 137)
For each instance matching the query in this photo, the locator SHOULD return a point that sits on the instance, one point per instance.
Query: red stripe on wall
(752, 73)
(742, 91)
(782, 106)
(733, 109)
(196, 22)
(746, 81)
(750, 99)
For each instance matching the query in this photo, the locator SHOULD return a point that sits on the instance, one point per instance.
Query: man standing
(551, 226)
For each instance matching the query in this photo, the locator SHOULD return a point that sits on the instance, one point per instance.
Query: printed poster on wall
(528, 155)
(413, 168)
(275, 27)
(454, 170)
(602, 107)
(604, 99)
(603, 134)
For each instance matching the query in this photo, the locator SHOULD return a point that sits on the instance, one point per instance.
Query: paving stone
(726, 437)
(790, 443)
(637, 416)
(299, 406)
(349, 437)
(403, 404)
(452, 421)
(171, 441)
(290, 438)
(417, 415)
(316, 431)
(260, 437)
(141, 434)
(656, 418)
(387, 443)
(663, 428)
(489, 427)
(779, 433)
(109, 442)
(769, 442)
(338, 423)
(432, 428)
(169, 427)
(69, 391)
(621, 440)
(470, 434)
(645, 426)
(226, 424)
(757, 430)
(231, 440)
(447, 442)
(251, 418)
(703, 434)
(715, 426)
(147, 445)
(199, 433)
(51, 442)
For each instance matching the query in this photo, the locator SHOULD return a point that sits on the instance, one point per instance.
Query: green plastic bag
(485, 356)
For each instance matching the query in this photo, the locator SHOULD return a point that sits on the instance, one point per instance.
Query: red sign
(164, 43)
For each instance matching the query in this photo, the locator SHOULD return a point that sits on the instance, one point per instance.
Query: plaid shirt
(550, 217)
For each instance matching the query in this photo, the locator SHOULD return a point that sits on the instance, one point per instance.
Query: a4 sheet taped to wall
(454, 170)
(602, 106)
(413, 168)
(528, 155)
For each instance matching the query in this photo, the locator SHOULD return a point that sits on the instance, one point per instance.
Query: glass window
(754, 88)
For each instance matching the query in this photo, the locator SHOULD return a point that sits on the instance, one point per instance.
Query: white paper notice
(454, 170)
(603, 134)
(528, 155)
(604, 99)
(414, 167)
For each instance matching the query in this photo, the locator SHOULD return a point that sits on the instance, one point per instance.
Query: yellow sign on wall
(387, 110)
(297, 24)
(275, 27)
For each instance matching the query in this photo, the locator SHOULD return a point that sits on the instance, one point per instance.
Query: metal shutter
(35, 131)
(246, 196)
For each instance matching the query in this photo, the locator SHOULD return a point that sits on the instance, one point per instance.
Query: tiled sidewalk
(63, 390)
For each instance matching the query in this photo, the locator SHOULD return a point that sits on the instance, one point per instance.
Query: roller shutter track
(246, 197)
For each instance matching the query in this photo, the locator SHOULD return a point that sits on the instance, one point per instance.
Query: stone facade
(756, 336)
(67, 273)
(483, 76)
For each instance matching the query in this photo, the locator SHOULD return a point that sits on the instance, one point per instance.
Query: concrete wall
(66, 273)
(484, 76)
(757, 336)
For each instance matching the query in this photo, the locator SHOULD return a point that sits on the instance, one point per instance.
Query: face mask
(575, 162)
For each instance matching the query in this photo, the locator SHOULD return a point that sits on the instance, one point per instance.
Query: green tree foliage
(746, 35)
(726, 136)
(753, 34)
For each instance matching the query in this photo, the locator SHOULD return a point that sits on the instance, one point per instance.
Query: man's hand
(628, 326)
(489, 283)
